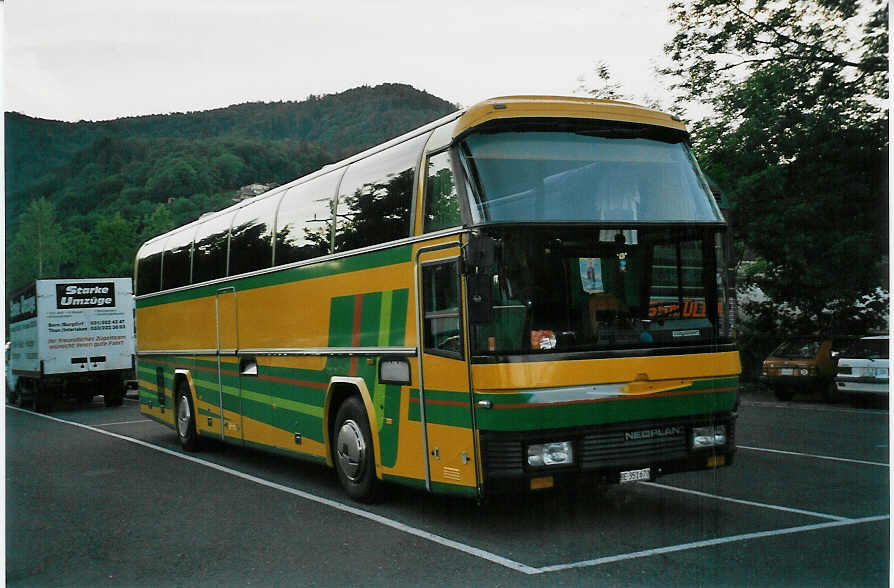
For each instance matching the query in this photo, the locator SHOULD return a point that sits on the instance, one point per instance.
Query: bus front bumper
(615, 453)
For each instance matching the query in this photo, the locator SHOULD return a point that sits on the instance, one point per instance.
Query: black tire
(185, 419)
(42, 397)
(829, 392)
(20, 393)
(352, 452)
(783, 393)
(112, 390)
(12, 395)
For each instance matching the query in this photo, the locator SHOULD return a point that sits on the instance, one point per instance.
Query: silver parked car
(863, 368)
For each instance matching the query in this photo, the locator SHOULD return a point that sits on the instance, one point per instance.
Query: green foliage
(605, 88)
(116, 183)
(156, 222)
(798, 140)
(38, 249)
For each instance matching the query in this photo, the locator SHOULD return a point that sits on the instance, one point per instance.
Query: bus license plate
(636, 475)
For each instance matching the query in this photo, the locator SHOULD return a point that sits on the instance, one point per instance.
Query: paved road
(99, 496)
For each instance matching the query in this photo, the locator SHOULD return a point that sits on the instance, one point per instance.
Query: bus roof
(561, 107)
(502, 107)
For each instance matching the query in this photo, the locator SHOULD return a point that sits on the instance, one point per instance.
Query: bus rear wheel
(352, 452)
(186, 419)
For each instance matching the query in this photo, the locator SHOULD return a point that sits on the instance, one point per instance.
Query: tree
(606, 87)
(37, 250)
(798, 140)
(112, 248)
(157, 222)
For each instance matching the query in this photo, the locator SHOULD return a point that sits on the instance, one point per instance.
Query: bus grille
(613, 448)
(503, 458)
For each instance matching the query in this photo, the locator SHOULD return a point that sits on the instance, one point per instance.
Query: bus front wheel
(352, 452)
(186, 419)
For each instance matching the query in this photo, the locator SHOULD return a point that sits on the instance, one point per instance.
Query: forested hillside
(80, 197)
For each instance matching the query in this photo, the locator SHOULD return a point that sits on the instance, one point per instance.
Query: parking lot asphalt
(102, 496)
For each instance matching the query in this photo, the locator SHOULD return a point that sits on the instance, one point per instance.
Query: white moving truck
(72, 338)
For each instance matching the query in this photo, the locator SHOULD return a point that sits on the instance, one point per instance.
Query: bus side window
(441, 201)
(209, 259)
(442, 331)
(251, 238)
(376, 196)
(304, 220)
(176, 263)
(149, 268)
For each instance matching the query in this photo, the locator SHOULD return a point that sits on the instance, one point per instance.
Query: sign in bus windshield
(569, 288)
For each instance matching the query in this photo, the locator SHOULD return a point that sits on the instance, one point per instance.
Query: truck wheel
(43, 397)
(112, 389)
(186, 419)
(20, 393)
(352, 452)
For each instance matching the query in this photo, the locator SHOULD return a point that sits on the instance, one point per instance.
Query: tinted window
(376, 196)
(149, 268)
(251, 237)
(304, 220)
(210, 253)
(571, 176)
(798, 349)
(440, 305)
(441, 202)
(176, 264)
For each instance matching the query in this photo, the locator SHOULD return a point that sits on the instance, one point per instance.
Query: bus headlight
(550, 454)
(711, 436)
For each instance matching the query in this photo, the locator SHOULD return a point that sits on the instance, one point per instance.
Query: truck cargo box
(65, 332)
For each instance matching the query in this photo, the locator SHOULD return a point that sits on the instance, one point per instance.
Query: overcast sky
(101, 59)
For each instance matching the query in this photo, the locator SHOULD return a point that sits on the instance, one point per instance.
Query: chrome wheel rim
(183, 417)
(350, 450)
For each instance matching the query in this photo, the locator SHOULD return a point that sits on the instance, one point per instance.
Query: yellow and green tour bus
(526, 292)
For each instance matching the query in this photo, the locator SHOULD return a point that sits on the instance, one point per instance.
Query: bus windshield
(570, 289)
(617, 173)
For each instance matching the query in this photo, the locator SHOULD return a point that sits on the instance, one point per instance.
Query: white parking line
(126, 422)
(812, 407)
(709, 543)
(486, 555)
(860, 461)
(809, 513)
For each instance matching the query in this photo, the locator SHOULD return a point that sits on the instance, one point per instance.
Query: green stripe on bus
(626, 409)
(397, 335)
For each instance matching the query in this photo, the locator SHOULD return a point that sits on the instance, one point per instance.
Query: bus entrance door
(444, 397)
(229, 399)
